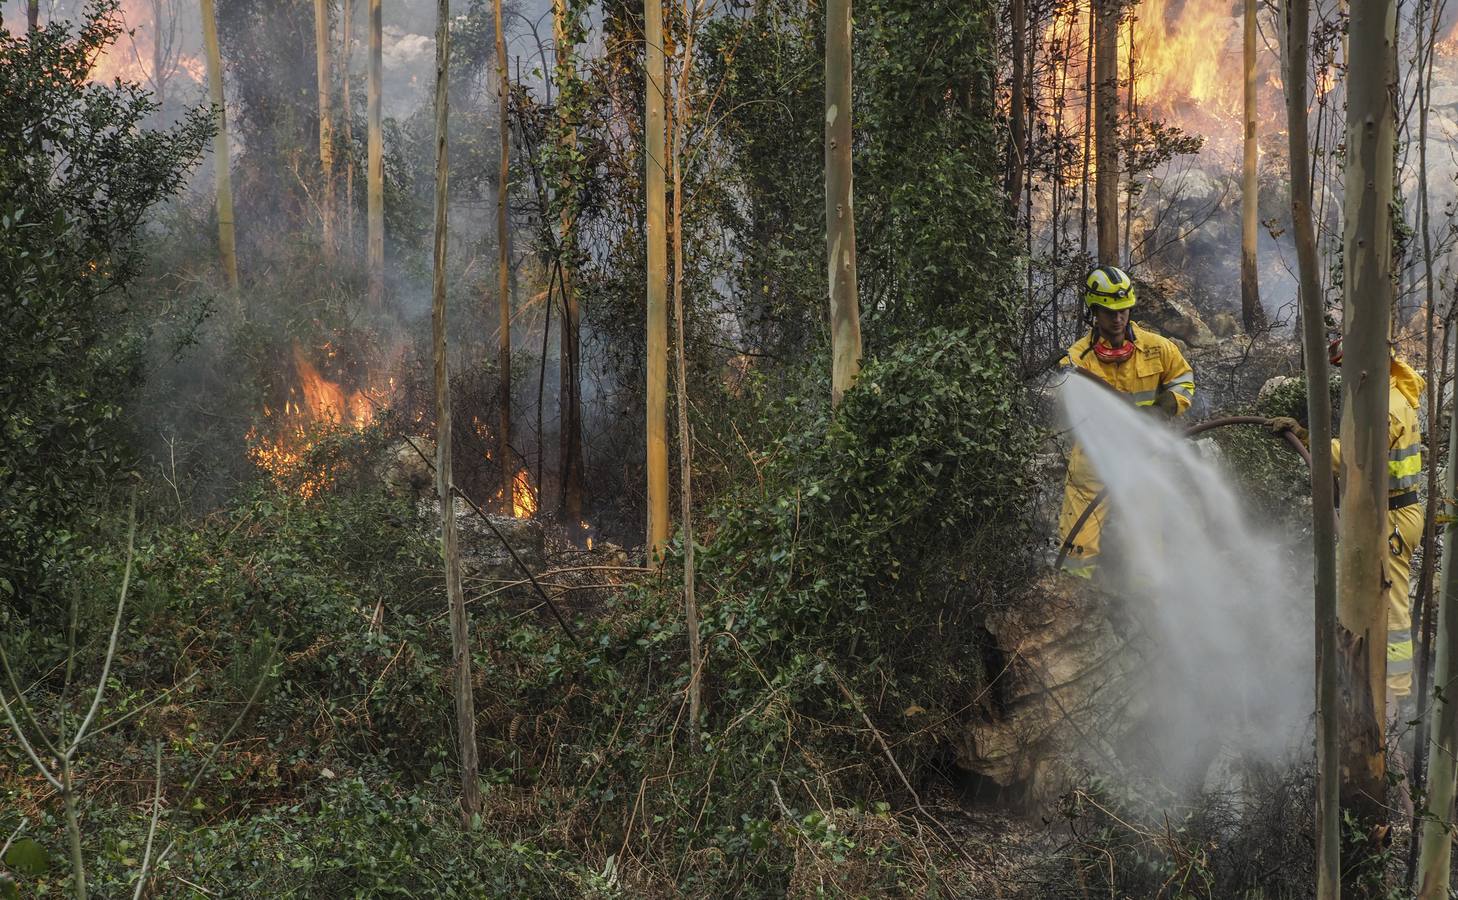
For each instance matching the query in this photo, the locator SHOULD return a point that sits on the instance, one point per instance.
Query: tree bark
(1318, 408)
(503, 270)
(1253, 315)
(569, 358)
(32, 14)
(657, 338)
(346, 33)
(1367, 304)
(222, 159)
(1437, 840)
(459, 618)
(685, 436)
(1018, 106)
(840, 217)
(1106, 131)
(324, 78)
(375, 172)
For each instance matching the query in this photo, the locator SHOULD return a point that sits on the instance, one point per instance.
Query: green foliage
(78, 173)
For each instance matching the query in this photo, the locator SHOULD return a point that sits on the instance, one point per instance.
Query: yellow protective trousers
(1405, 529)
(1079, 490)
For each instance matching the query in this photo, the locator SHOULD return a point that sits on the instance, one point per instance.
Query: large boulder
(1166, 308)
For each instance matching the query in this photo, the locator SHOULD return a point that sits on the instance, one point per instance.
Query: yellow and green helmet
(1109, 287)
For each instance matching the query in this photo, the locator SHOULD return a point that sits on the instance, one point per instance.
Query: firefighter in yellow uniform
(1134, 361)
(1404, 508)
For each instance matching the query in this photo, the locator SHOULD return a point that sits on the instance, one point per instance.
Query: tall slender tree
(840, 216)
(222, 158)
(1437, 836)
(1367, 302)
(450, 548)
(32, 14)
(375, 173)
(1106, 130)
(565, 29)
(1017, 105)
(657, 338)
(324, 77)
(503, 266)
(1253, 315)
(1318, 408)
(346, 39)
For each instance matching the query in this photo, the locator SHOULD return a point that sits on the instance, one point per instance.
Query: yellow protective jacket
(1156, 367)
(1404, 432)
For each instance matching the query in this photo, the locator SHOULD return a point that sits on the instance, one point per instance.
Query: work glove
(1165, 405)
(1285, 423)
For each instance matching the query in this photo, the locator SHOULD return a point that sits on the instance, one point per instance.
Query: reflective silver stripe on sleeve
(1404, 452)
(1406, 481)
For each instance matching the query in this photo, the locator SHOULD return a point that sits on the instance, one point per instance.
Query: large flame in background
(314, 406)
(132, 56)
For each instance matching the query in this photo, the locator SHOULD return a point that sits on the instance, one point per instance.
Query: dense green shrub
(78, 173)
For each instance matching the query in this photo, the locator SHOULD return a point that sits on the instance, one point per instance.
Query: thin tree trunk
(1253, 315)
(326, 121)
(222, 159)
(657, 399)
(32, 14)
(1129, 182)
(840, 218)
(1367, 305)
(1018, 106)
(159, 55)
(1088, 127)
(685, 436)
(1106, 131)
(1318, 409)
(503, 270)
(1422, 607)
(346, 33)
(1437, 839)
(569, 359)
(375, 174)
(459, 618)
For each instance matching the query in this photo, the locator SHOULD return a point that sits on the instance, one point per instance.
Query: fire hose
(1192, 431)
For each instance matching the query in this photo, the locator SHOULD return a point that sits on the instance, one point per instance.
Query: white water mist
(1218, 604)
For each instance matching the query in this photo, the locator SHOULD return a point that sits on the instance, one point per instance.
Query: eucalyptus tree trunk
(1253, 316)
(657, 338)
(1318, 408)
(569, 358)
(1367, 303)
(375, 171)
(840, 217)
(450, 547)
(346, 34)
(685, 435)
(323, 76)
(1018, 106)
(222, 159)
(1437, 838)
(1106, 131)
(32, 14)
(503, 268)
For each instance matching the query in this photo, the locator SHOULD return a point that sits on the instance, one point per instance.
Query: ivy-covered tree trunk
(326, 122)
(565, 29)
(1253, 315)
(1106, 131)
(346, 34)
(840, 217)
(375, 171)
(657, 338)
(503, 268)
(1318, 407)
(222, 158)
(1367, 303)
(450, 547)
(1017, 105)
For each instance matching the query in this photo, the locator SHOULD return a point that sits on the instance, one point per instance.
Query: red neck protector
(1111, 355)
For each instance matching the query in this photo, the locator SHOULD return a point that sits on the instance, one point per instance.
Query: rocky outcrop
(1165, 307)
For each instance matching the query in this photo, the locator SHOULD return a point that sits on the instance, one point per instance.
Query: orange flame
(325, 405)
(523, 498)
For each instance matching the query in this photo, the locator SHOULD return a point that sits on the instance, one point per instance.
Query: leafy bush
(77, 175)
